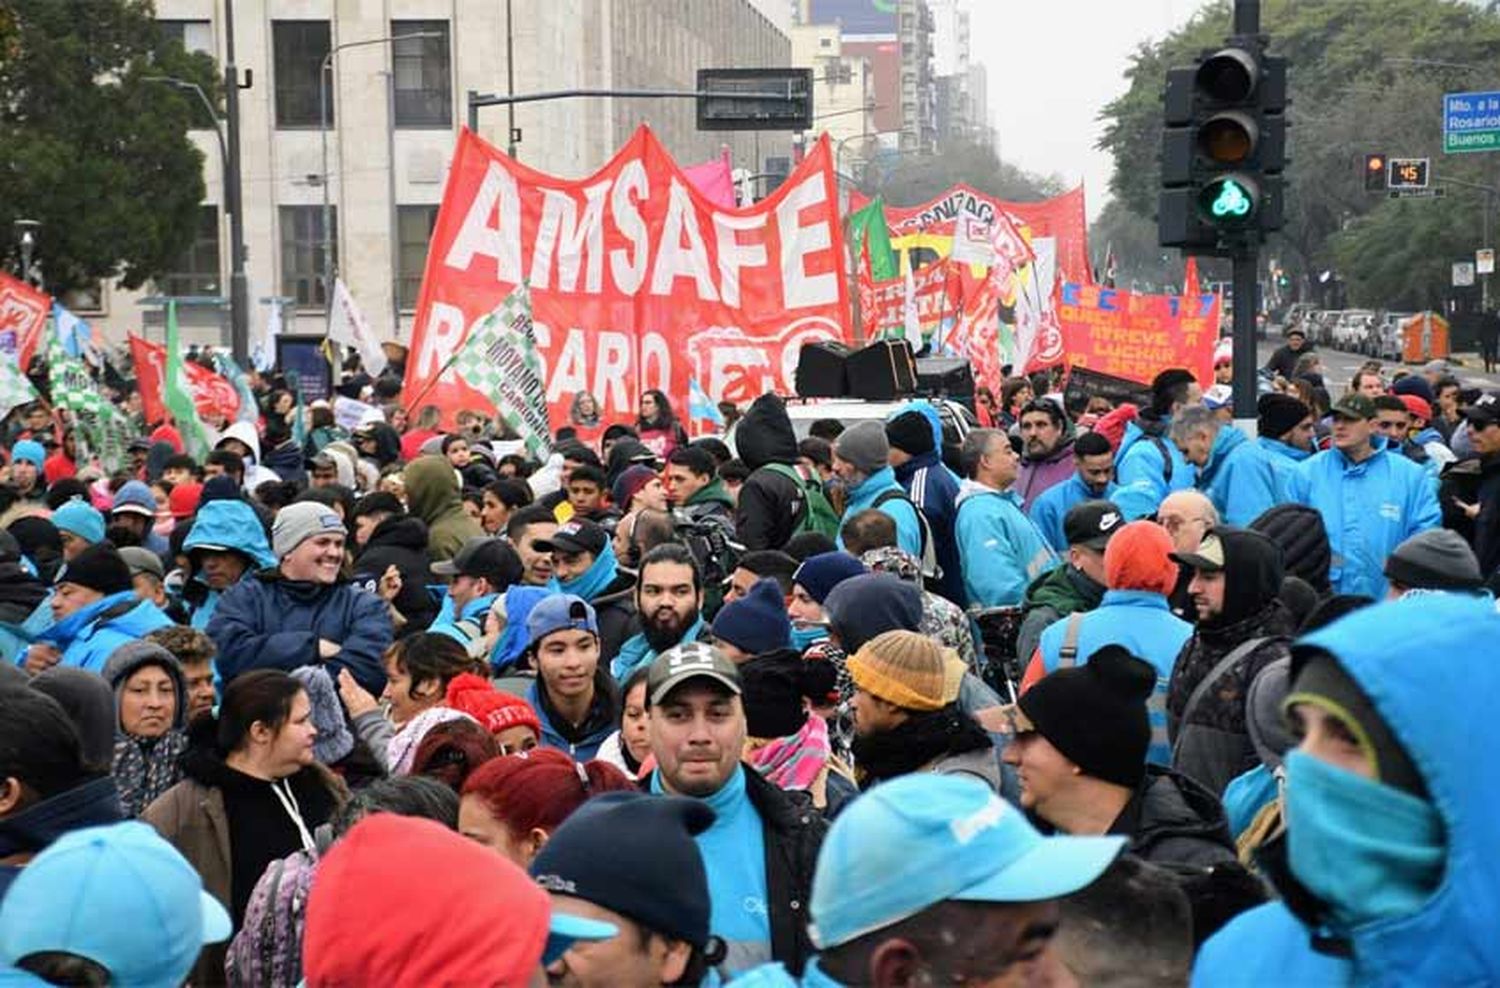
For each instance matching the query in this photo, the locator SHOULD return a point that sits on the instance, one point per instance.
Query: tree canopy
(90, 148)
(1363, 77)
(909, 180)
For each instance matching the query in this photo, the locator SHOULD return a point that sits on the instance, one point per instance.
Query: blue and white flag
(700, 408)
(249, 410)
(77, 336)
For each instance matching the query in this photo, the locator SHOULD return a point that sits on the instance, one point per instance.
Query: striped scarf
(794, 762)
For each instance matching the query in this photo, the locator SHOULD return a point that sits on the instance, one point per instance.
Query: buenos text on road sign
(1463, 274)
(1471, 122)
(1428, 193)
(1409, 173)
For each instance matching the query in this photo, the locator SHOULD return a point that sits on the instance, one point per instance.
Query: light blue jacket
(447, 623)
(1369, 508)
(908, 526)
(1284, 461)
(1053, 505)
(1001, 549)
(88, 636)
(224, 524)
(1143, 475)
(1141, 621)
(1451, 939)
(1238, 478)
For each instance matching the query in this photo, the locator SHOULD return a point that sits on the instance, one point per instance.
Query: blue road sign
(1471, 122)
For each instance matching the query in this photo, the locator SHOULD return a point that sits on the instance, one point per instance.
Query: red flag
(23, 314)
(1190, 279)
(213, 395)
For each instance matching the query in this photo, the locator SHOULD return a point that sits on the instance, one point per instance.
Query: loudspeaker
(821, 370)
(883, 371)
(946, 377)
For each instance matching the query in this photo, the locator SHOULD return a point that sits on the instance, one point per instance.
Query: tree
(1363, 77)
(908, 180)
(88, 147)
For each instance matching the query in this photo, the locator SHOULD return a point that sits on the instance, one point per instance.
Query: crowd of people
(1091, 694)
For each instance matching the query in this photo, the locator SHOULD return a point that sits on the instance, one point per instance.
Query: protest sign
(1136, 336)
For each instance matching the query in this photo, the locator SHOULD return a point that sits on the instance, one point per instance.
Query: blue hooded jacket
(1238, 478)
(1053, 505)
(908, 527)
(88, 635)
(1002, 551)
(583, 750)
(933, 488)
(1369, 509)
(1437, 710)
(225, 525)
(1143, 475)
(447, 623)
(1284, 460)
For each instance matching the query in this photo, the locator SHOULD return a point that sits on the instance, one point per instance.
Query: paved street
(1341, 366)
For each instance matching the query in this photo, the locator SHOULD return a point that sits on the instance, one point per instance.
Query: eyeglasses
(1174, 524)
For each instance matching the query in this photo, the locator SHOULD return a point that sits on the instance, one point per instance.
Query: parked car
(1295, 314)
(1384, 340)
(1351, 328)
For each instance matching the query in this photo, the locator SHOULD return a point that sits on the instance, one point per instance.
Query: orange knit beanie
(907, 669)
(1137, 559)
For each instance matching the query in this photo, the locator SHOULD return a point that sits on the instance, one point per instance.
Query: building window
(197, 269)
(423, 72)
(413, 232)
(302, 244)
(86, 301)
(193, 35)
(300, 47)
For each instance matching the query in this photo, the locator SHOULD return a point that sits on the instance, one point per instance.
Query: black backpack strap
(898, 495)
(1166, 457)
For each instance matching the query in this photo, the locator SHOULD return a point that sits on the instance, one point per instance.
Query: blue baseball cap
(29, 450)
(560, 612)
(81, 519)
(93, 892)
(923, 839)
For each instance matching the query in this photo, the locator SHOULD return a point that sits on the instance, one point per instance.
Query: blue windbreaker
(933, 488)
(1238, 478)
(88, 635)
(1141, 621)
(1284, 460)
(1368, 508)
(225, 525)
(447, 623)
(1452, 938)
(1145, 479)
(582, 751)
(1053, 505)
(1001, 550)
(908, 527)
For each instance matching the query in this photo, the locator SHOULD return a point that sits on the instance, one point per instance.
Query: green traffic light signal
(1228, 201)
(1232, 201)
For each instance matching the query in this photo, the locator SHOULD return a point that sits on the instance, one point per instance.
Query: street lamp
(26, 238)
(324, 74)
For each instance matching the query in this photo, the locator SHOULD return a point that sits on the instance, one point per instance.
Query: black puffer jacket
(400, 541)
(1210, 742)
(20, 592)
(770, 503)
(1303, 538)
(614, 609)
(1171, 819)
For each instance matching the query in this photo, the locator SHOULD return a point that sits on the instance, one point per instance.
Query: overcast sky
(1052, 66)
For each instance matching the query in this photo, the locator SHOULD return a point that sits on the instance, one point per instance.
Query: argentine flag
(700, 408)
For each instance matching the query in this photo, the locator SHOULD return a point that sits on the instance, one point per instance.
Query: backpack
(931, 571)
(710, 542)
(817, 514)
(268, 948)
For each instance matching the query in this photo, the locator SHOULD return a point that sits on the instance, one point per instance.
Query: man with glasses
(1187, 516)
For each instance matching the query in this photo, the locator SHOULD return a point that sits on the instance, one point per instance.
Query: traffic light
(1375, 173)
(1223, 150)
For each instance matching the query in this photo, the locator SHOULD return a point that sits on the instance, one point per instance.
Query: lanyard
(289, 803)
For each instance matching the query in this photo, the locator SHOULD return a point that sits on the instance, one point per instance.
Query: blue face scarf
(804, 636)
(1369, 851)
(594, 579)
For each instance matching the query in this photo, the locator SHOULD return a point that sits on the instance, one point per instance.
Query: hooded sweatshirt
(144, 768)
(88, 635)
(1145, 478)
(433, 495)
(770, 504)
(1238, 477)
(867, 492)
(1001, 550)
(1449, 939)
(255, 473)
(223, 525)
(400, 541)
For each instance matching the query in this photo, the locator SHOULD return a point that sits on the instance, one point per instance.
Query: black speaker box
(821, 370)
(883, 371)
(948, 377)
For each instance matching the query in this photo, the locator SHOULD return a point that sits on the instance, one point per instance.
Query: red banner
(213, 395)
(1138, 336)
(23, 315)
(637, 281)
(1060, 218)
(939, 289)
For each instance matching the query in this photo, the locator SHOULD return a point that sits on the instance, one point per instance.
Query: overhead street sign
(1484, 260)
(1430, 193)
(1471, 122)
(1409, 173)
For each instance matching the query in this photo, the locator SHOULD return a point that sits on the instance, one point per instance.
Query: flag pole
(411, 408)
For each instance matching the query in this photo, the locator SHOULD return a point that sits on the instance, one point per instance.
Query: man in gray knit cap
(1434, 561)
(860, 461)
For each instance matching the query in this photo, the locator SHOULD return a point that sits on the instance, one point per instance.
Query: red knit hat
(495, 709)
(1112, 424)
(1417, 406)
(1138, 559)
(184, 499)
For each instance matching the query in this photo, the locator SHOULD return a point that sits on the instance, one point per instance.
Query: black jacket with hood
(614, 610)
(770, 503)
(1171, 819)
(1211, 743)
(400, 541)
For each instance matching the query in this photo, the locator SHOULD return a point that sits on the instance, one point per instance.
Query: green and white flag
(197, 438)
(15, 388)
(500, 361)
(104, 429)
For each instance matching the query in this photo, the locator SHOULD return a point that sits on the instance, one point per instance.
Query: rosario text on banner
(637, 281)
(1138, 336)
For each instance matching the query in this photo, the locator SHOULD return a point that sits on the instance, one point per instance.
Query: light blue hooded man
(1148, 466)
(1392, 869)
(862, 459)
(226, 525)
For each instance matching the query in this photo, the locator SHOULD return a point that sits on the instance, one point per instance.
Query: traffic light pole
(1246, 267)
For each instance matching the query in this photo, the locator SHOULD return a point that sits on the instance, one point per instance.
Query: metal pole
(510, 82)
(1484, 279)
(1247, 17)
(395, 217)
(1246, 264)
(239, 285)
(474, 111)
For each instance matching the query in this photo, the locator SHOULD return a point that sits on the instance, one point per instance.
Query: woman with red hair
(512, 804)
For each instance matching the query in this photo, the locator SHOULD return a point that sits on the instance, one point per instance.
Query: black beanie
(634, 854)
(910, 432)
(1278, 414)
(99, 567)
(1095, 714)
(773, 699)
